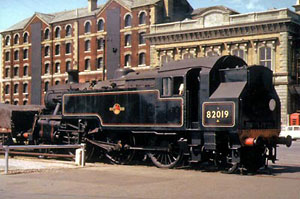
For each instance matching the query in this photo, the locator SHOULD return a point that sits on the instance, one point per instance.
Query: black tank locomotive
(206, 109)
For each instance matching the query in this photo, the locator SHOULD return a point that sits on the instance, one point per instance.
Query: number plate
(218, 114)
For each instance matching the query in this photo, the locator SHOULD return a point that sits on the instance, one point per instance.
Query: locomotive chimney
(73, 76)
(92, 5)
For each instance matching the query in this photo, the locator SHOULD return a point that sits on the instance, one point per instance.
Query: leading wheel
(169, 158)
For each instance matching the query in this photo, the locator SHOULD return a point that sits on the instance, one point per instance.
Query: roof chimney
(297, 7)
(92, 5)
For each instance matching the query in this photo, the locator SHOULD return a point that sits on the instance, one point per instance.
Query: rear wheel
(168, 154)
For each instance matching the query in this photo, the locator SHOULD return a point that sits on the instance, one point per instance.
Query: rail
(7, 148)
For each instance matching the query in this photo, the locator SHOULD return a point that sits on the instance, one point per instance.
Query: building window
(87, 65)
(142, 18)
(25, 102)
(46, 86)
(25, 54)
(7, 56)
(142, 59)
(212, 53)
(16, 55)
(100, 44)
(57, 32)
(57, 67)
(68, 30)
(87, 45)
(57, 82)
(100, 63)
(47, 51)
(16, 39)
(25, 88)
(100, 25)
(265, 56)
(127, 40)
(68, 48)
(47, 34)
(127, 60)
(47, 68)
(7, 72)
(188, 55)
(87, 27)
(128, 20)
(6, 89)
(239, 53)
(25, 37)
(68, 65)
(7, 40)
(25, 73)
(16, 88)
(165, 59)
(141, 38)
(16, 102)
(16, 71)
(57, 49)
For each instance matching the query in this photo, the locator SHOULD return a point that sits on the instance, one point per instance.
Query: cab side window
(173, 86)
(167, 83)
(178, 86)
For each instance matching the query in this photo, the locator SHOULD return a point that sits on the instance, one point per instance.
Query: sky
(13, 11)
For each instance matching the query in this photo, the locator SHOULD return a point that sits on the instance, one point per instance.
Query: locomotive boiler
(214, 109)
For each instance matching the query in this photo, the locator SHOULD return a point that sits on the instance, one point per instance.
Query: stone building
(37, 52)
(269, 38)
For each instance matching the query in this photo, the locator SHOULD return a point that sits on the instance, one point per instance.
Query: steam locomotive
(213, 109)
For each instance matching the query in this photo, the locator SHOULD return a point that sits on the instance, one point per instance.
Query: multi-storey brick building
(37, 52)
(269, 38)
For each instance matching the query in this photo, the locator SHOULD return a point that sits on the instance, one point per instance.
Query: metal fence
(8, 148)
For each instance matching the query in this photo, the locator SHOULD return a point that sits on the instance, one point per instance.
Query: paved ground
(110, 181)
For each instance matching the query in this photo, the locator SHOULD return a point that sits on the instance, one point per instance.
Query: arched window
(7, 56)
(87, 27)
(57, 82)
(7, 40)
(25, 54)
(47, 34)
(16, 88)
(7, 89)
(99, 62)
(87, 46)
(47, 51)
(7, 72)
(16, 55)
(57, 67)
(68, 66)
(100, 44)
(142, 59)
(16, 102)
(16, 71)
(142, 18)
(212, 53)
(87, 65)
(128, 40)
(57, 32)
(188, 55)
(265, 57)
(141, 38)
(25, 37)
(16, 39)
(25, 102)
(25, 72)
(68, 48)
(25, 88)
(46, 86)
(239, 53)
(47, 68)
(127, 60)
(128, 20)
(100, 25)
(68, 30)
(57, 49)
(165, 59)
